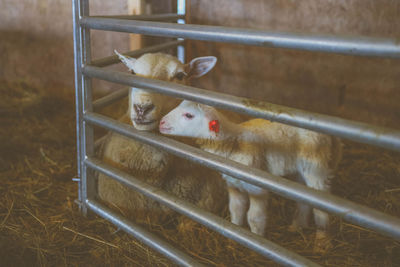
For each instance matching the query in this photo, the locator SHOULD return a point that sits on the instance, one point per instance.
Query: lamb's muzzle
(164, 128)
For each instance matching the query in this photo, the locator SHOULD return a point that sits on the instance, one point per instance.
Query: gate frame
(86, 70)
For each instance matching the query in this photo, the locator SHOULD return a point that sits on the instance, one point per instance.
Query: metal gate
(86, 69)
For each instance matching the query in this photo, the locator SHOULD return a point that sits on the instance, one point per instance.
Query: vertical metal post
(83, 97)
(77, 63)
(181, 6)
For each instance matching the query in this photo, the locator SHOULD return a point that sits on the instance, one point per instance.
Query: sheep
(277, 148)
(154, 166)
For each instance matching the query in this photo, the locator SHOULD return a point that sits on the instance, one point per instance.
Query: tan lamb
(277, 148)
(174, 175)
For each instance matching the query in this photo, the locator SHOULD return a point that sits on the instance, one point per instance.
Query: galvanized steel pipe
(153, 17)
(362, 46)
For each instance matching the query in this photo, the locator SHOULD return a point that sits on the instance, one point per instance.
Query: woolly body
(277, 148)
(187, 181)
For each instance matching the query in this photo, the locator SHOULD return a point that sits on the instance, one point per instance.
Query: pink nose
(162, 122)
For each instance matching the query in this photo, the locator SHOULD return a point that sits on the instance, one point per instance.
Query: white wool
(277, 148)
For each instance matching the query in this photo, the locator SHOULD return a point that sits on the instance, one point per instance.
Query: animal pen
(154, 25)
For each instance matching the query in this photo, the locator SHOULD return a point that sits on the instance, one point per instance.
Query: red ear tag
(214, 126)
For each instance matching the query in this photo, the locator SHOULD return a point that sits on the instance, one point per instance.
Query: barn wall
(359, 88)
(36, 41)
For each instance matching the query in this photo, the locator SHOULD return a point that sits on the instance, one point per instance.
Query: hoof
(322, 242)
(258, 230)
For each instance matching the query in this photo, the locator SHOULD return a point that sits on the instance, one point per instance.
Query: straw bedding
(40, 225)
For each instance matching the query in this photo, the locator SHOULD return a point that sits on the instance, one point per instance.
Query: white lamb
(277, 148)
(150, 164)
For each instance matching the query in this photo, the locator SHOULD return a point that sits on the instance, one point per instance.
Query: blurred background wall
(36, 41)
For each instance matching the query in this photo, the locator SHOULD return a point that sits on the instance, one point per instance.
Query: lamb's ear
(203, 108)
(128, 61)
(208, 112)
(200, 66)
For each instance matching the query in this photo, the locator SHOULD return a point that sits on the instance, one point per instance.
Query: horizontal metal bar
(143, 235)
(239, 234)
(353, 130)
(352, 212)
(362, 46)
(110, 98)
(154, 17)
(102, 62)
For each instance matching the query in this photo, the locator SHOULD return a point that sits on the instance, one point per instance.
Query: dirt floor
(41, 226)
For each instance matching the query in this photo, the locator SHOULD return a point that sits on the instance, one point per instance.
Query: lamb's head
(146, 108)
(191, 119)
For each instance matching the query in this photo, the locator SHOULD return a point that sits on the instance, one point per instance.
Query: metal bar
(362, 46)
(143, 235)
(87, 138)
(181, 10)
(102, 62)
(155, 17)
(355, 213)
(82, 51)
(239, 234)
(353, 130)
(110, 98)
(83, 96)
(78, 101)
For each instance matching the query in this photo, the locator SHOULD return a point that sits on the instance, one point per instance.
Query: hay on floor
(41, 226)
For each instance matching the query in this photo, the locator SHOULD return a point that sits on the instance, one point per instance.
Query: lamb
(277, 148)
(150, 164)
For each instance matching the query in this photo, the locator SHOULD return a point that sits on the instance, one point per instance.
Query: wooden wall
(359, 88)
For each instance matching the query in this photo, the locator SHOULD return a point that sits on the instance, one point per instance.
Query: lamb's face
(146, 108)
(189, 119)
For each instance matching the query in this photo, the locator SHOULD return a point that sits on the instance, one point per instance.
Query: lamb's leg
(318, 178)
(237, 205)
(257, 214)
(302, 215)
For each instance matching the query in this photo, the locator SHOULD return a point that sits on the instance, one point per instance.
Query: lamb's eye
(180, 76)
(188, 115)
